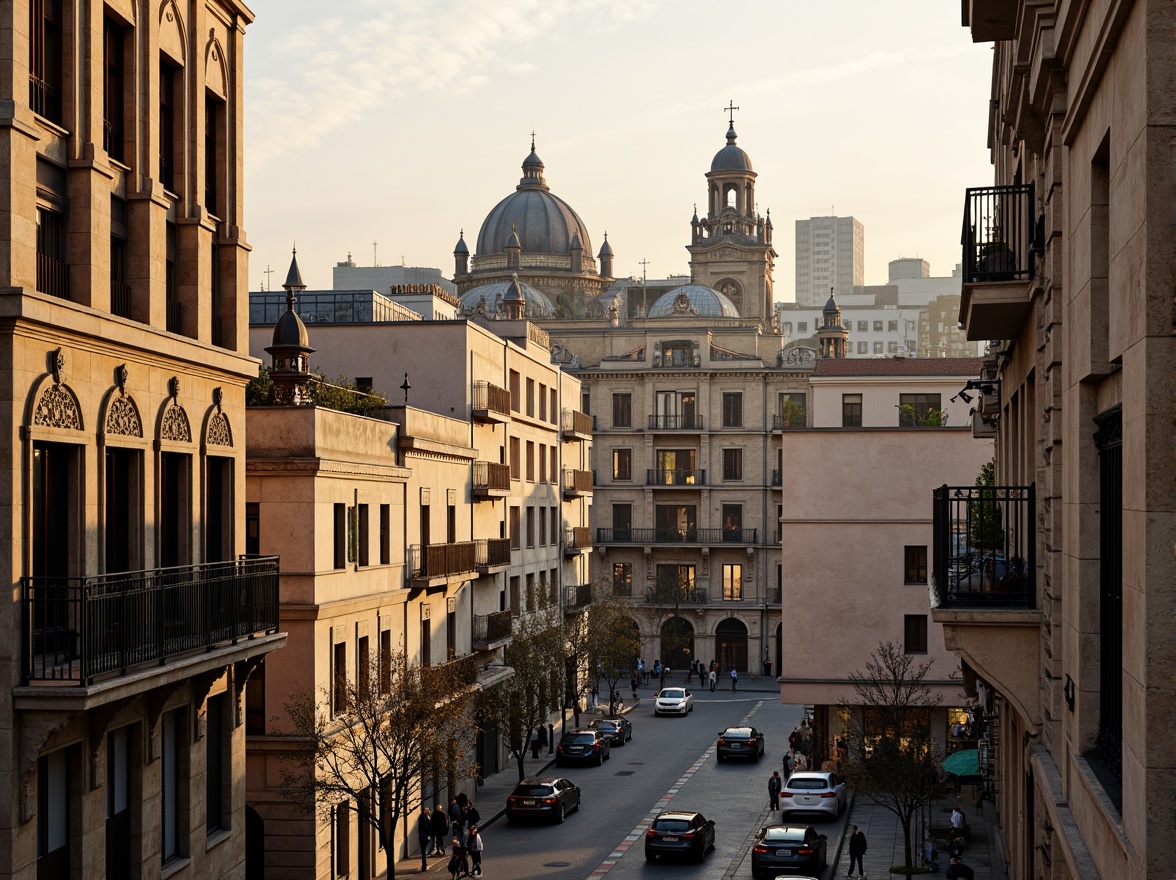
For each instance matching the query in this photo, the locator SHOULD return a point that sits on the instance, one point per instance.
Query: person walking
(542, 737)
(474, 845)
(425, 836)
(535, 742)
(440, 830)
(457, 819)
(473, 817)
(957, 870)
(734, 679)
(713, 679)
(857, 849)
(774, 783)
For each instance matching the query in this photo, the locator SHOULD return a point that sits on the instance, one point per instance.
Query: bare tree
(393, 726)
(611, 641)
(893, 760)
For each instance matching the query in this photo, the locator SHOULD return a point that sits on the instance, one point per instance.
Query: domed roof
(544, 222)
(290, 332)
(731, 157)
(461, 248)
(497, 292)
(692, 299)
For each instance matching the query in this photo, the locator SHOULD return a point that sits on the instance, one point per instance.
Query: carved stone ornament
(58, 409)
(796, 356)
(173, 387)
(218, 397)
(57, 365)
(120, 378)
(123, 418)
(218, 431)
(175, 424)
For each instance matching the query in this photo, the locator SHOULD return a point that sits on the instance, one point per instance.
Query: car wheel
(649, 857)
(599, 759)
(701, 857)
(509, 819)
(563, 812)
(755, 757)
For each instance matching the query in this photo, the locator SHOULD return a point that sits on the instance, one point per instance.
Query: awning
(963, 763)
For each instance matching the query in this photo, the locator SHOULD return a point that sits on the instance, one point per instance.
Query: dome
(461, 246)
(692, 299)
(290, 331)
(731, 157)
(545, 223)
(498, 292)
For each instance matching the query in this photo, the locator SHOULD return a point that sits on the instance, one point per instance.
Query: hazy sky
(404, 121)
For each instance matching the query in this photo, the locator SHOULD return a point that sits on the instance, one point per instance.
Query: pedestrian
(857, 849)
(457, 818)
(767, 667)
(458, 864)
(475, 847)
(957, 819)
(425, 836)
(689, 672)
(787, 764)
(794, 738)
(957, 870)
(734, 679)
(534, 742)
(473, 817)
(440, 830)
(634, 679)
(713, 678)
(774, 784)
(542, 737)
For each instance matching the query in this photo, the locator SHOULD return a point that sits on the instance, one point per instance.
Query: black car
(677, 833)
(617, 731)
(780, 848)
(582, 745)
(740, 742)
(546, 796)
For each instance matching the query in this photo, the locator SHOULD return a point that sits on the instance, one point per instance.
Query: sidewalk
(884, 839)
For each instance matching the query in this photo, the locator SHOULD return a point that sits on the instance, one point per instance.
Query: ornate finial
(57, 364)
(532, 140)
(406, 388)
(731, 108)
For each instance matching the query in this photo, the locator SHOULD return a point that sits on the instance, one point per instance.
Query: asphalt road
(669, 763)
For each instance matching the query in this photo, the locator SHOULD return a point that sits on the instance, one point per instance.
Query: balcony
(86, 629)
(577, 597)
(687, 477)
(788, 421)
(577, 484)
(491, 480)
(575, 425)
(675, 423)
(491, 631)
(675, 594)
(491, 403)
(983, 585)
(492, 555)
(676, 536)
(577, 540)
(443, 678)
(777, 479)
(434, 565)
(1001, 241)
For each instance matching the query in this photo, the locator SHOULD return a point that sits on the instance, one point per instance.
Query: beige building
(133, 624)
(855, 530)
(1068, 269)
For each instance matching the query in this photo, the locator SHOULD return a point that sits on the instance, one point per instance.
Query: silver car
(673, 701)
(813, 791)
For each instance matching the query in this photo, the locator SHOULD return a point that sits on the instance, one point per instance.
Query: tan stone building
(133, 625)
(1068, 268)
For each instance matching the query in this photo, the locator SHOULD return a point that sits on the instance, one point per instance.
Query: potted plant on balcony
(791, 413)
(996, 260)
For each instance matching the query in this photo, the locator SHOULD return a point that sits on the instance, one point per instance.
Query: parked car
(678, 833)
(673, 701)
(581, 744)
(543, 796)
(740, 742)
(813, 791)
(780, 848)
(617, 731)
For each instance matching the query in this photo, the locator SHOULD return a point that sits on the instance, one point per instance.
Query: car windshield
(532, 790)
(605, 725)
(784, 835)
(579, 738)
(672, 825)
(807, 784)
(737, 733)
(672, 694)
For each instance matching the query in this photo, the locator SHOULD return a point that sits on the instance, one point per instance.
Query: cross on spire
(731, 108)
(268, 273)
(532, 140)
(644, 262)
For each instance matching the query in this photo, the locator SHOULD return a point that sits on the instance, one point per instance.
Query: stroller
(459, 864)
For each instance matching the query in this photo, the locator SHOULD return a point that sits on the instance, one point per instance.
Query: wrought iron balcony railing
(675, 594)
(675, 423)
(428, 561)
(984, 548)
(675, 536)
(777, 478)
(577, 597)
(1000, 238)
(491, 628)
(52, 276)
(491, 552)
(79, 629)
(783, 422)
(491, 401)
(675, 477)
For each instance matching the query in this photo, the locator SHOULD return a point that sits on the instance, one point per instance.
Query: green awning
(963, 763)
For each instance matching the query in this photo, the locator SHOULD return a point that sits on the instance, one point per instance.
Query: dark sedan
(740, 742)
(780, 848)
(581, 744)
(617, 731)
(543, 796)
(677, 833)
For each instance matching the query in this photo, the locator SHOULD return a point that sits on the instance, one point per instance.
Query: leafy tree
(910, 417)
(258, 391)
(893, 760)
(984, 513)
(520, 704)
(611, 642)
(344, 395)
(401, 724)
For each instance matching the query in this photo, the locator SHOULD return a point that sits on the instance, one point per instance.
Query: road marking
(635, 836)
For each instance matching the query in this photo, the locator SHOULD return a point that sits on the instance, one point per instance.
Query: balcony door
(53, 816)
(123, 509)
(676, 467)
(118, 803)
(218, 509)
(175, 506)
(676, 522)
(56, 499)
(675, 409)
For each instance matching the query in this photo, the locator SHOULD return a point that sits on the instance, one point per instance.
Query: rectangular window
(916, 409)
(622, 520)
(363, 666)
(385, 534)
(426, 637)
(877, 326)
(892, 348)
(515, 601)
(342, 841)
(915, 565)
(53, 802)
(340, 535)
(530, 461)
(385, 661)
(542, 463)
(516, 468)
(516, 535)
(530, 582)
(555, 525)
(516, 399)
(792, 406)
(863, 326)
(732, 409)
(676, 522)
(733, 464)
(863, 348)
(52, 267)
(113, 48)
(531, 398)
(553, 410)
(622, 464)
(732, 522)
(553, 470)
(120, 288)
(877, 348)
(171, 116)
(216, 767)
(364, 528)
(542, 402)
(339, 679)
(732, 583)
(45, 54)
(892, 326)
(622, 416)
(915, 633)
(173, 748)
(851, 410)
(530, 526)
(622, 578)
(214, 148)
(451, 523)
(542, 526)
(802, 326)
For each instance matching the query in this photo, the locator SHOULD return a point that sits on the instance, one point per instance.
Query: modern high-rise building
(830, 254)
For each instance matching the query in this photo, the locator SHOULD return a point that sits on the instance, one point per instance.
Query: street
(669, 763)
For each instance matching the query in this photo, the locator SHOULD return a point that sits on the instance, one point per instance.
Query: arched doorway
(677, 643)
(254, 845)
(731, 645)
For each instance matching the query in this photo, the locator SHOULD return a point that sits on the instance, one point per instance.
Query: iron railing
(675, 423)
(81, 628)
(673, 593)
(576, 422)
(491, 398)
(120, 299)
(491, 475)
(578, 538)
(999, 237)
(577, 481)
(577, 596)
(442, 560)
(675, 536)
(52, 276)
(492, 551)
(675, 477)
(175, 316)
(781, 422)
(777, 478)
(44, 98)
(493, 627)
(984, 552)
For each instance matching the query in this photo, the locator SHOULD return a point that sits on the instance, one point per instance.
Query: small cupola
(514, 303)
(461, 256)
(606, 258)
(290, 350)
